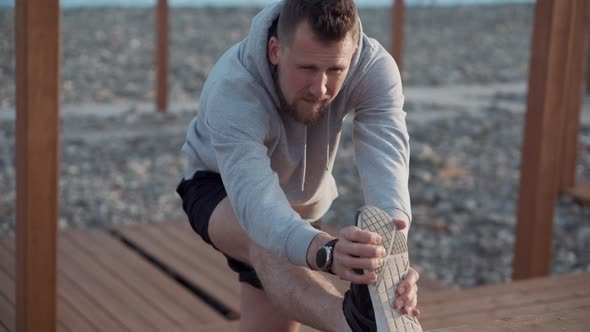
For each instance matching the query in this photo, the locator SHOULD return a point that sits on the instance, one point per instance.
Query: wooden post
(37, 162)
(552, 56)
(588, 57)
(398, 13)
(573, 93)
(162, 55)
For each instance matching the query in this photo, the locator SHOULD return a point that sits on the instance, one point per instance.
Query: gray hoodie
(278, 172)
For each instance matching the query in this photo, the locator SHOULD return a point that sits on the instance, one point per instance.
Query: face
(310, 73)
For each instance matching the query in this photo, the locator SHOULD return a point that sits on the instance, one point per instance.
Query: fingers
(358, 262)
(355, 234)
(400, 224)
(345, 265)
(407, 302)
(412, 277)
(361, 249)
(407, 291)
(358, 250)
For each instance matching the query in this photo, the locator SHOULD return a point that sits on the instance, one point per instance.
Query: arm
(240, 132)
(381, 140)
(382, 151)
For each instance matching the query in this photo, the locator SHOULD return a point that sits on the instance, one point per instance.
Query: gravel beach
(121, 163)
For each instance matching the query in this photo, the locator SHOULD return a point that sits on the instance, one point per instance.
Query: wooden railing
(161, 52)
(37, 162)
(398, 18)
(551, 129)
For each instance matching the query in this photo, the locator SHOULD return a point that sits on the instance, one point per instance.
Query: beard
(306, 114)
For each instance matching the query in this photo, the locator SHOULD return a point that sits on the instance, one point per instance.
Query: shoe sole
(394, 270)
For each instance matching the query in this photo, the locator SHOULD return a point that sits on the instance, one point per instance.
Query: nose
(319, 86)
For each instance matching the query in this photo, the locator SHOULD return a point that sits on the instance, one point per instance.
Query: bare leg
(305, 295)
(259, 314)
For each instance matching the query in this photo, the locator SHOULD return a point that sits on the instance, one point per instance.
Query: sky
(360, 3)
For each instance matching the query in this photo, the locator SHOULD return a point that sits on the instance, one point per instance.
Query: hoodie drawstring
(304, 159)
(328, 137)
(304, 167)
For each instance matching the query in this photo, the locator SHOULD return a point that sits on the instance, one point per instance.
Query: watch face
(321, 258)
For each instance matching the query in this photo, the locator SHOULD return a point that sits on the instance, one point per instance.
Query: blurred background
(465, 80)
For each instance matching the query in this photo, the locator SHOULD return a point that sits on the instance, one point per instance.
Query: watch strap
(330, 244)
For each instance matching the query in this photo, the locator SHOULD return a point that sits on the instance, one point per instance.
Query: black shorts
(200, 195)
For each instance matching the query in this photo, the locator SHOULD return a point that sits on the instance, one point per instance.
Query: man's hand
(360, 249)
(357, 249)
(407, 294)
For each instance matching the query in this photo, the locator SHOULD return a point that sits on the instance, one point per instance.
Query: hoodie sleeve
(381, 141)
(240, 130)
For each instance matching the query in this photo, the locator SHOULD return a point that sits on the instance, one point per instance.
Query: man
(260, 156)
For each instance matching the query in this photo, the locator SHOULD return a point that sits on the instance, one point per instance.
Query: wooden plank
(96, 291)
(542, 139)
(73, 291)
(182, 234)
(119, 271)
(132, 307)
(572, 319)
(7, 314)
(162, 29)
(7, 275)
(72, 320)
(503, 313)
(70, 291)
(187, 264)
(7, 300)
(206, 260)
(7, 287)
(222, 327)
(523, 286)
(213, 262)
(37, 162)
(398, 13)
(67, 317)
(235, 327)
(573, 92)
(581, 193)
(173, 301)
(188, 240)
(504, 301)
(510, 302)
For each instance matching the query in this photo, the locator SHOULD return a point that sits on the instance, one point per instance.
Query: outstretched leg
(302, 294)
(260, 314)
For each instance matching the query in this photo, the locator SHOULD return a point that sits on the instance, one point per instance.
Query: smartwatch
(323, 257)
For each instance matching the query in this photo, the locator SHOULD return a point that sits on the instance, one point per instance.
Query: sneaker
(370, 307)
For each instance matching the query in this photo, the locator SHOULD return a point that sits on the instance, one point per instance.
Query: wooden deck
(162, 277)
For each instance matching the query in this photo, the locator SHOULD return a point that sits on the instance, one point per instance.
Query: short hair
(330, 20)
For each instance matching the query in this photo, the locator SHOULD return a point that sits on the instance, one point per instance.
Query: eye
(336, 71)
(307, 68)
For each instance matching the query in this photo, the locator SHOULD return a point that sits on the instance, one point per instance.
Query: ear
(273, 50)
